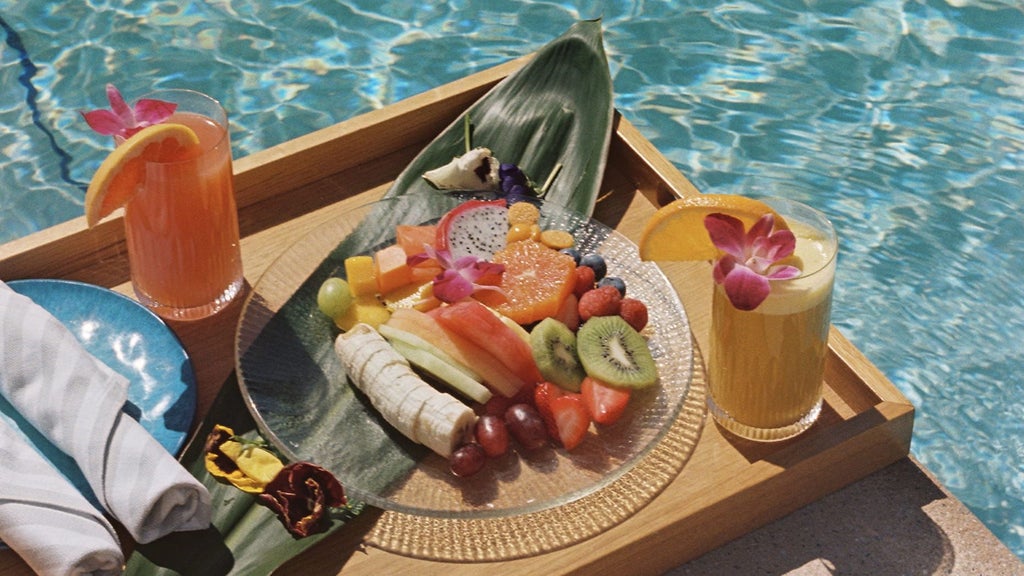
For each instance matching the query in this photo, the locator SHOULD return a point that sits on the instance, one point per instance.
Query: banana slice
(443, 423)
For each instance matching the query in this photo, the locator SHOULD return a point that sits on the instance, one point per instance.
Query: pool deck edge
(898, 520)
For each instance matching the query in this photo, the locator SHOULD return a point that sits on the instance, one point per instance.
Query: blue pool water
(903, 119)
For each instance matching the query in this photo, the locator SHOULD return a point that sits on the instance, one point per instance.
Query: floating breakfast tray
(727, 488)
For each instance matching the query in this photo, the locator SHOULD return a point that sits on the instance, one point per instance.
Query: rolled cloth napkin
(76, 401)
(46, 520)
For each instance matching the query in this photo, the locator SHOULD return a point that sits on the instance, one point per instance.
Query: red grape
(467, 459)
(497, 405)
(526, 426)
(492, 434)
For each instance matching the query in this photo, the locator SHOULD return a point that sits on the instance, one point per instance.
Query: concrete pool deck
(898, 520)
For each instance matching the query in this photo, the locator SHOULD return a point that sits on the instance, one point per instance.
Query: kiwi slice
(613, 352)
(554, 351)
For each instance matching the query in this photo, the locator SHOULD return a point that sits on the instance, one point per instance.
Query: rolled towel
(76, 402)
(46, 520)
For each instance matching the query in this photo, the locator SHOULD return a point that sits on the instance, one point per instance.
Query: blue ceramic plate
(129, 339)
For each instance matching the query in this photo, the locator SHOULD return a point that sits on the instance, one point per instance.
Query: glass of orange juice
(766, 365)
(181, 226)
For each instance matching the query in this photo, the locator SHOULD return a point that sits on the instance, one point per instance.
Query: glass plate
(299, 395)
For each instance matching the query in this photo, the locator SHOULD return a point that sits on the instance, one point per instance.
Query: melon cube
(412, 238)
(391, 269)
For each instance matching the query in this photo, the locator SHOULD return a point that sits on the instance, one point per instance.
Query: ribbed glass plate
(298, 392)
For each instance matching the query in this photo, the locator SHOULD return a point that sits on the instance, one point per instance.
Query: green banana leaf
(556, 110)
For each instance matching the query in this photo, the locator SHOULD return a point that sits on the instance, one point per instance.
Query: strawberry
(569, 313)
(571, 419)
(543, 394)
(604, 402)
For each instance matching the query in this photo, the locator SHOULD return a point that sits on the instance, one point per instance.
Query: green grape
(334, 297)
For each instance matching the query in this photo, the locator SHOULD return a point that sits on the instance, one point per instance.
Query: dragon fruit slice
(475, 227)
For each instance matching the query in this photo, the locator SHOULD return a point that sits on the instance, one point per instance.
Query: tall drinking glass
(182, 225)
(766, 366)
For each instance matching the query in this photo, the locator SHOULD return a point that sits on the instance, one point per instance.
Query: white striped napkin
(46, 520)
(76, 401)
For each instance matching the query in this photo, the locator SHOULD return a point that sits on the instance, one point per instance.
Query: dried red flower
(302, 495)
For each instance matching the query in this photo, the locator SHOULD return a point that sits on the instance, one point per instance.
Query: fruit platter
(544, 384)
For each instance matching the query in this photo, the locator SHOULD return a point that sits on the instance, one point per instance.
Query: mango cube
(364, 310)
(362, 278)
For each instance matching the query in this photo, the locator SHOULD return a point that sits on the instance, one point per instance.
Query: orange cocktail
(182, 223)
(766, 365)
(774, 269)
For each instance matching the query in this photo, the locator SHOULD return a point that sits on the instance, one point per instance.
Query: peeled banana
(420, 412)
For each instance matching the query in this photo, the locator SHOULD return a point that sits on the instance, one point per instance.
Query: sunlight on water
(902, 120)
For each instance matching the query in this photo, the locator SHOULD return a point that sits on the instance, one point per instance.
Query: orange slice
(676, 231)
(123, 171)
(535, 282)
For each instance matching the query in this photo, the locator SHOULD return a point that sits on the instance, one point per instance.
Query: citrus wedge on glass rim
(124, 170)
(676, 231)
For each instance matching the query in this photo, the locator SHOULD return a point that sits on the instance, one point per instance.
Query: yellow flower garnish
(246, 465)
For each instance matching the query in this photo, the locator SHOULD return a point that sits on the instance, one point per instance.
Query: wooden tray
(728, 488)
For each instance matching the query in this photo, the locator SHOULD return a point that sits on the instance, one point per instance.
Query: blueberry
(595, 261)
(615, 282)
(572, 252)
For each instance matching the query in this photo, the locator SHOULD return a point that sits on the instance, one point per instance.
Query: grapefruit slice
(676, 231)
(123, 171)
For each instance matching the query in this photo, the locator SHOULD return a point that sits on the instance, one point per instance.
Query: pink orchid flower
(123, 120)
(750, 257)
(458, 279)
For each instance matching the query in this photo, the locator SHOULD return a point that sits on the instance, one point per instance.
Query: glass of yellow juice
(766, 365)
(181, 226)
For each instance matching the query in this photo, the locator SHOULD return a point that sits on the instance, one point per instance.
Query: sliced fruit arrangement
(540, 342)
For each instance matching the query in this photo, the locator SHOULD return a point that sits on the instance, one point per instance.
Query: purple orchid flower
(458, 279)
(123, 120)
(750, 257)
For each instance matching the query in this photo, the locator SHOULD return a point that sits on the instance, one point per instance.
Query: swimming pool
(902, 120)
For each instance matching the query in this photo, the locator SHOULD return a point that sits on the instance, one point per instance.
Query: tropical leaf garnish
(556, 109)
(552, 116)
